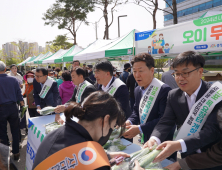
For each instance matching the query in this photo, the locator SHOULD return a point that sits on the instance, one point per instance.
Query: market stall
(37, 132)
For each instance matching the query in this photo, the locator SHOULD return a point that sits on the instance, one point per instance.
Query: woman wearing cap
(29, 77)
(14, 73)
(80, 144)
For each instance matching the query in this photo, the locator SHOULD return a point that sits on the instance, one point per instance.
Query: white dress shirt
(107, 86)
(190, 101)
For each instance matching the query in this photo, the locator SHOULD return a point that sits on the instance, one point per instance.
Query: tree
(10, 61)
(148, 5)
(174, 10)
(152, 5)
(104, 6)
(60, 42)
(68, 14)
(23, 50)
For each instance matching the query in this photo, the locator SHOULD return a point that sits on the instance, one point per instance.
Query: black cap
(126, 66)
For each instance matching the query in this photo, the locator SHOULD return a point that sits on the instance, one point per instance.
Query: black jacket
(51, 99)
(177, 111)
(155, 114)
(89, 89)
(131, 84)
(70, 134)
(122, 96)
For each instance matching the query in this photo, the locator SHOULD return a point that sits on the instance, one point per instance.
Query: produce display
(51, 126)
(46, 110)
(114, 143)
(145, 158)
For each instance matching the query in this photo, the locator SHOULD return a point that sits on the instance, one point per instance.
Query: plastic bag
(46, 110)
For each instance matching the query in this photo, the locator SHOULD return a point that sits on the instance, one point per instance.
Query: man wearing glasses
(193, 108)
(45, 89)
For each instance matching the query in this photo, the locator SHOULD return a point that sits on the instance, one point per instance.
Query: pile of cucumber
(145, 158)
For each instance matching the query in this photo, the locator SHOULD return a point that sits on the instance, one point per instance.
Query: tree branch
(169, 5)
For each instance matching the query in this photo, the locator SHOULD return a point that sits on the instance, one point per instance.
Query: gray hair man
(10, 94)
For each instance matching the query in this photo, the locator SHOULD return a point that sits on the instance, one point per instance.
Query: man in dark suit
(143, 70)
(106, 81)
(188, 67)
(51, 97)
(78, 78)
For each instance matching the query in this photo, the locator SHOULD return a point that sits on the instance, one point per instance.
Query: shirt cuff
(183, 145)
(130, 122)
(156, 139)
(140, 129)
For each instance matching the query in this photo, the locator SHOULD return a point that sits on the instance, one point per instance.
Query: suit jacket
(177, 111)
(155, 114)
(122, 96)
(51, 99)
(88, 90)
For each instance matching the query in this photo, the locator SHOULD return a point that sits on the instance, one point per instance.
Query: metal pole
(118, 24)
(96, 30)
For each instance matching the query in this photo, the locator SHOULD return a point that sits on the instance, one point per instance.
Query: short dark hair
(66, 76)
(76, 61)
(57, 69)
(43, 70)
(49, 66)
(79, 71)
(189, 57)
(144, 57)
(105, 66)
(12, 65)
(97, 105)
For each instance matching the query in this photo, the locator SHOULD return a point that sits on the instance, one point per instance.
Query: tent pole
(64, 65)
(133, 41)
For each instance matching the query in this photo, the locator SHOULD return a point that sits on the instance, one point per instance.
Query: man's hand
(174, 166)
(137, 166)
(58, 119)
(38, 108)
(127, 123)
(115, 154)
(132, 131)
(60, 109)
(169, 147)
(150, 143)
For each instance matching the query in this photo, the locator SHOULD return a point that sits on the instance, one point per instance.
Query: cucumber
(149, 158)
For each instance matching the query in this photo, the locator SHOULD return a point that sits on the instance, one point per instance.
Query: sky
(22, 20)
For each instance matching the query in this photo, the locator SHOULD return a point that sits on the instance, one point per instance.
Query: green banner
(208, 20)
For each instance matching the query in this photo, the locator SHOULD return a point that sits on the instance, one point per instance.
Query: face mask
(88, 71)
(129, 70)
(114, 73)
(30, 80)
(102, 141)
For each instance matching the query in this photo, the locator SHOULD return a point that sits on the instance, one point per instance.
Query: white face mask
(30, 80)
(88, 71)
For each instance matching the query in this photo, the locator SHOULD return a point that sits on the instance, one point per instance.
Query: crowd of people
(180, 113)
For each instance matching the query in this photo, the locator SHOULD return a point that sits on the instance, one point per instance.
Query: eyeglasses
(184, 75)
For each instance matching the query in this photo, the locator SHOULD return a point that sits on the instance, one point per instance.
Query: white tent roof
(93, 51)
(51, 59)
(27, 59)
(37, 58)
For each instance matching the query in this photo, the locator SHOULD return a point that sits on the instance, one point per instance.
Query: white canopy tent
(27, 59)
(57, 55)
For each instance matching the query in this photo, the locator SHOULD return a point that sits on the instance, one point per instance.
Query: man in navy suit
(112, 85)
(143, 71)
(51, 97)
(185, 108)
